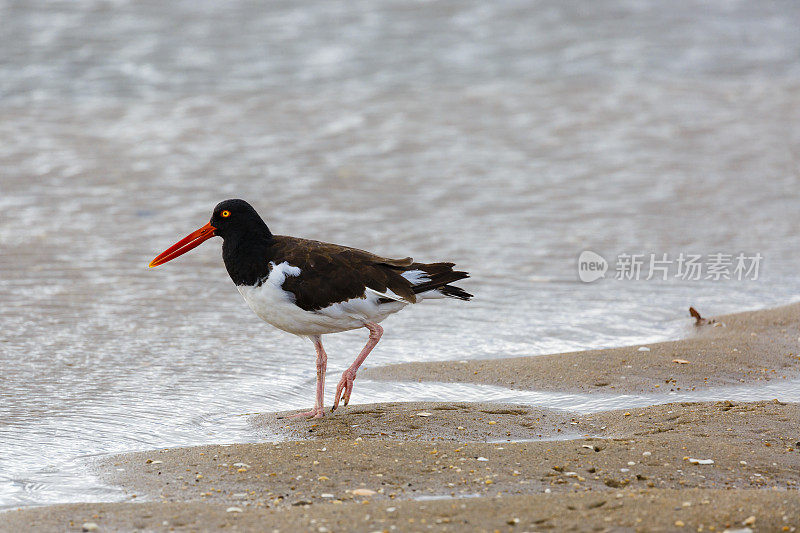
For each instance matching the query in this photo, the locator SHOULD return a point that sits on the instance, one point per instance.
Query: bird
(312, 288)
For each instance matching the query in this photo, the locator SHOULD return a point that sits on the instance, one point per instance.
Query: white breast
(277, 307)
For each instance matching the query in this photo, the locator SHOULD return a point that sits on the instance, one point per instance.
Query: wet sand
(482, 467)
(656, 510)
(428, 421)
(633, 471)
(751, 347)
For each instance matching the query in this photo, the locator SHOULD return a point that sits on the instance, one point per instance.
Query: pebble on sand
(90, 526)
(362, 492)
(701, 461)
(233, 510)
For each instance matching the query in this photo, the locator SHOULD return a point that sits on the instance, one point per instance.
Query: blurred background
(506, 136)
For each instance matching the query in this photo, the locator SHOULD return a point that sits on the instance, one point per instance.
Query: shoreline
(741, 348)
(448, 466)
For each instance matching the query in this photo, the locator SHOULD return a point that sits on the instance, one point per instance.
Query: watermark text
(661, 266)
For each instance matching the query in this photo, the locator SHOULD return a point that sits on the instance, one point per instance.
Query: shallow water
(507, 137)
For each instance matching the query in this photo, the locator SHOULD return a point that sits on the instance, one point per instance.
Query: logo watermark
(685, 266)
(591, 266)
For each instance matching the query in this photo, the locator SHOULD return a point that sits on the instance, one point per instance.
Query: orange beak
(193, 240)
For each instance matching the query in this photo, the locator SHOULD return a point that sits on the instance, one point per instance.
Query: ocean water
(505, 136)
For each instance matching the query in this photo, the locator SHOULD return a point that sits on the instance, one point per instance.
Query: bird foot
(344, 389)
(314, 413)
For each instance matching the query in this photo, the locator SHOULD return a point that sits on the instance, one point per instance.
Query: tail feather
(441, 275)
(455, 292)
(427, 277)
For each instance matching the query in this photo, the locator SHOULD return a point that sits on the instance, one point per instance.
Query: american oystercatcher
(312, 288)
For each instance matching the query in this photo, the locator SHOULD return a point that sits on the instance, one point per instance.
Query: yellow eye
(225, 214)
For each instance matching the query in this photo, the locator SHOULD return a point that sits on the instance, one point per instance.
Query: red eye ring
(225, 214)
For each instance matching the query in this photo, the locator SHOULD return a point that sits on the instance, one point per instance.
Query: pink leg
(322, 364)
(345, 387)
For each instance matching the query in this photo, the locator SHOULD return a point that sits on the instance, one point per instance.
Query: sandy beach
(706, 466)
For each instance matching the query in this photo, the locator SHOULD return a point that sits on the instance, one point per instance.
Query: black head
(234, 219)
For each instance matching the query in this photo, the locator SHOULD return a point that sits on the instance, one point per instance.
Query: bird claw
(344, 389)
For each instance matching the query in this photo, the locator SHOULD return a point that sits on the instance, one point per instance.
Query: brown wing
(330, 273)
